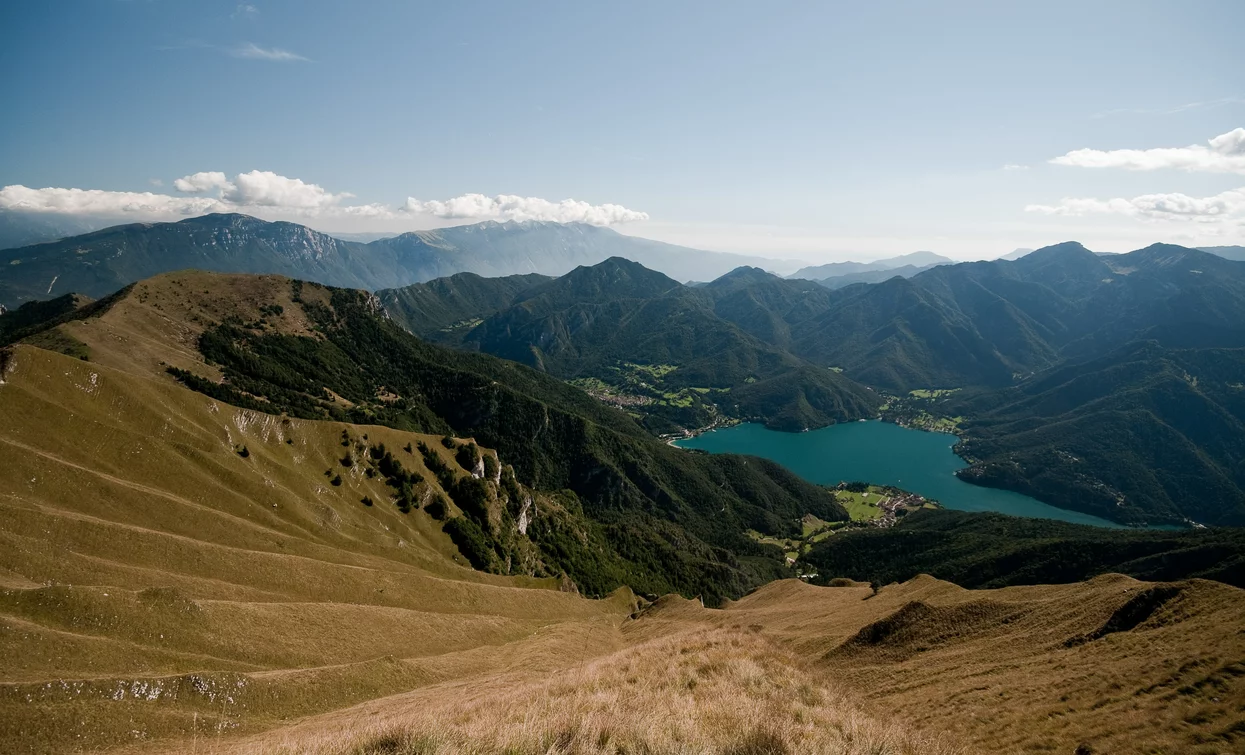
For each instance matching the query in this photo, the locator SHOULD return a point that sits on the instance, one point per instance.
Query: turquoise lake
(884, 454)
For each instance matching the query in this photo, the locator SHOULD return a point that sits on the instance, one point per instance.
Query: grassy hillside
(162, 591)
(993, 550)
(644, 514)
(1113, 665)
(164, 576)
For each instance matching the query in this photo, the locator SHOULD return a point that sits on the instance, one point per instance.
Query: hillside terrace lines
(146, 489)
(244, 568)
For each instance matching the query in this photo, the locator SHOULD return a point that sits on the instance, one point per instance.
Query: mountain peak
(224, 218)
(611, 279)
(916, 259)
(1068, 252)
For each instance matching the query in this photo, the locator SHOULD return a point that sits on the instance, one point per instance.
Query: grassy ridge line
(722, 691)
(669, 521)
(146, 568)
(992, 550)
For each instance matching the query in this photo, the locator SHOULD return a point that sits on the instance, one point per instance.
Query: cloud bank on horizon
(1224, 212)
(267, 193)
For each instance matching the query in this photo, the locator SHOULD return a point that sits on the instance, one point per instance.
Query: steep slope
(987, 323)
(156, 581)
(899, 336)
(607, 321)
(96, 264)
(446, 304)
(993, 550)
(1146, 434)
(647, 514)
(764, 305)
(161, 591)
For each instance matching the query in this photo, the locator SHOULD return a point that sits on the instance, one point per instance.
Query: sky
(816, 131)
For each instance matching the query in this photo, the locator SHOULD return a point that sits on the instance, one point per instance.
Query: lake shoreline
(885, 453)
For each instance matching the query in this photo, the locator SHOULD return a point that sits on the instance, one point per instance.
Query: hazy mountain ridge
(836, 269)
(26, 228)
(98, 263)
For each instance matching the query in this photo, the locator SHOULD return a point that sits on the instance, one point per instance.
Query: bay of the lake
(884, 454)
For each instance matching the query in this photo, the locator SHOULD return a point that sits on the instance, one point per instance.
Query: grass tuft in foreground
(719, 692)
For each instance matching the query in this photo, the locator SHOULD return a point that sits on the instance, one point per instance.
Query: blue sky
(800, 130)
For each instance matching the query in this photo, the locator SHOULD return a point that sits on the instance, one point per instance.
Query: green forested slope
(992, 550)
(1146, 434)
(668, 519)
(594, 321)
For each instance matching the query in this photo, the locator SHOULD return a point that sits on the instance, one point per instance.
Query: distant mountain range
(26, 228)
(920, 260)
(100, 262)
(1061, 402)
(1095, 382)
(1227, 252)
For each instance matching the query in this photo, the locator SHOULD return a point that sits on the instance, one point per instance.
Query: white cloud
(1223, 154)
(276, 197)
(245, 10)
(1014, 166)
(196, 183)
(155, 182)
(105, 203)
(510, 207)
(247, 192)
(255, 52)
(263, 188)
(1225, 208)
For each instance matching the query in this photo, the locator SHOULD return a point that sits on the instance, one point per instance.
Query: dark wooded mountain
(644, 334)
(991, 323)
(454, 302)
(753, 340)
(1144, 434)
(986, 551)
(98, 263)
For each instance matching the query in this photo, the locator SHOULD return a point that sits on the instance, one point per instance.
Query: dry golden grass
(707, 691)
(145, 565)
(161, 593)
